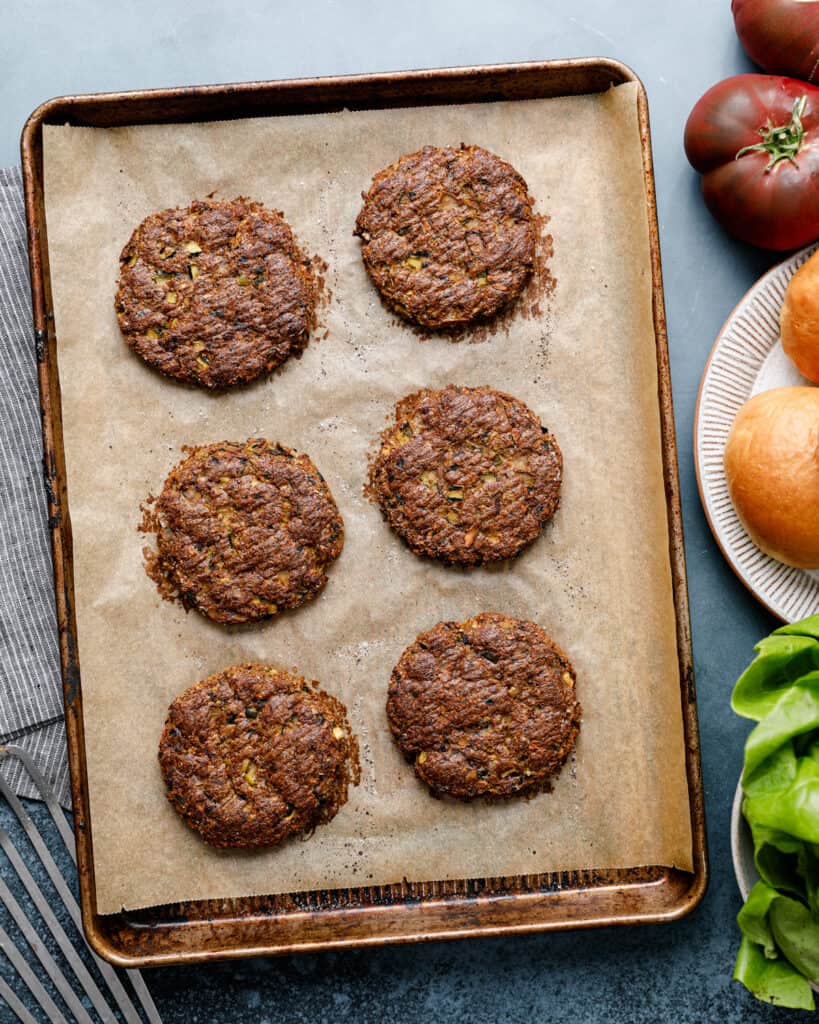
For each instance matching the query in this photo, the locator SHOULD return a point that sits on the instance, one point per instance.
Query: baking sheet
(598, 580)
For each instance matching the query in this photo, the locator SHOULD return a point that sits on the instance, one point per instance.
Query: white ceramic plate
(747, 358)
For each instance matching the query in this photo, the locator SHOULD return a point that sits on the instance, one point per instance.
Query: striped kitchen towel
(31, 712)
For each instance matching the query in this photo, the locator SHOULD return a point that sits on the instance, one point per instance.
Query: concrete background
(679, 972)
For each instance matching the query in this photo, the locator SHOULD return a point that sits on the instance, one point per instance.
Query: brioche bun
(772, 469)
(799, 319)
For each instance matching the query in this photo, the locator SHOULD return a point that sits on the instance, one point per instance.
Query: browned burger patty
(244, 530)
(485, 707)
(253, 755)
(215, 294)
(449, 235)
(466, 475)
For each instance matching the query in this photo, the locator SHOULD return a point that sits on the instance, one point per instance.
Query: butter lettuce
(773, 981)
(788, 654)
(779, 952)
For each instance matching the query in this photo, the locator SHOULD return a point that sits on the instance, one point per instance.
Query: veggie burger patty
(254, 754)
(244, 530)
(485, 707)
(466, 475)
(215, 294)
(448, 235)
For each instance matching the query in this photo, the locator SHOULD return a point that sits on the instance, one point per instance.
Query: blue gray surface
(679, 972)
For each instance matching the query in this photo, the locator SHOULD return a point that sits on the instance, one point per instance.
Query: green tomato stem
(780, 142)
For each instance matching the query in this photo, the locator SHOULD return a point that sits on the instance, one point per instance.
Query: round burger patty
(244, 530)
(215, 294)
(485, 707)
(448, 235)
(252, 755)
(466, 475)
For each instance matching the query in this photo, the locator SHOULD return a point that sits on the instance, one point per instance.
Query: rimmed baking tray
(374, 915)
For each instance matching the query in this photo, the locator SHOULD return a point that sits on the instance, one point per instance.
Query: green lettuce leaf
(780, 662)
(774, 774)
(808, 871)
(773, 981)
(753, 918)
(795, 713)
(779, 950)
(777, 858)
(807, 627)
(796, 934)
(794, 810)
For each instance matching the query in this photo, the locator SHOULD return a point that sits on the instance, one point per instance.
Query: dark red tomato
(755, 141)
(781, 36)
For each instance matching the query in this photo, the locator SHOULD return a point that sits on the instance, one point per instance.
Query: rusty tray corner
(376, 915)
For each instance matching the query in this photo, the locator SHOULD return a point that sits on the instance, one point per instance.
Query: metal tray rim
(56, 104)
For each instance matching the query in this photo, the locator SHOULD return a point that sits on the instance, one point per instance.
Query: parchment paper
(598, 580)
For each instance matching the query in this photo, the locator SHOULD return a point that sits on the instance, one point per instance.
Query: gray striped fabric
(30, 691)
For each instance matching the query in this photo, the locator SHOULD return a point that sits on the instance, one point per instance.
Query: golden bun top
(799, 319)
(772, 468)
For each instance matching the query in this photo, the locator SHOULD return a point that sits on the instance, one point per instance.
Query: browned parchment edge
(372, 915)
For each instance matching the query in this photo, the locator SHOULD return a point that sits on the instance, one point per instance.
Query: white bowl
(742, 847)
